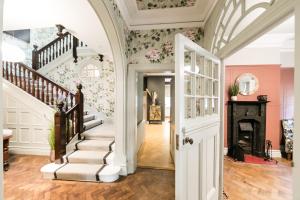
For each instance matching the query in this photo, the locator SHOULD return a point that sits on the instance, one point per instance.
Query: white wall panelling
(29, 119)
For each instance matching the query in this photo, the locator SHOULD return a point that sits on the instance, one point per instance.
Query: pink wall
(287, 93)
(269, 84)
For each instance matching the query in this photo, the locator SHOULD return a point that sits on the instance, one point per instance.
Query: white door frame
(262, 25)
(133, 69)
(296, 156)
(1, 103)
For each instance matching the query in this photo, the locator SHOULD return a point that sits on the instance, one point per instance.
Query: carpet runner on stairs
(92, 156)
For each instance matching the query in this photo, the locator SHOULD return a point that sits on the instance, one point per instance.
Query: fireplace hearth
(247, 126)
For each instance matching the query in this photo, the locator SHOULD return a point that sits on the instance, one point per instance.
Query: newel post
(75, 45)
(60, 132)
(35, 58)
(79, 99)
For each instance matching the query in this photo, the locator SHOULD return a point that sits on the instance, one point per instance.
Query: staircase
(84, 143)
(90, 158)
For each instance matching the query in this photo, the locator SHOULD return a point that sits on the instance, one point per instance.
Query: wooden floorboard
(243, 181)
(155, 151)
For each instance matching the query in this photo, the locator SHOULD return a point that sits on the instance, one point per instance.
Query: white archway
(115, 38)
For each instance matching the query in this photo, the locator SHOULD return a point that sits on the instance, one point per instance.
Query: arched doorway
(115, 37)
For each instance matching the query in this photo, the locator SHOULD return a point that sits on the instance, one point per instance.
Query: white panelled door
(197, 121)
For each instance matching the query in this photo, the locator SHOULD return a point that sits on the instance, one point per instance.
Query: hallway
(155, 151)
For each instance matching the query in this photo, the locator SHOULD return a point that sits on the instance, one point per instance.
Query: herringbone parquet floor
(243, 181)
(24, 181)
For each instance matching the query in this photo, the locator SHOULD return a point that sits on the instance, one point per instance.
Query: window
(90, 72)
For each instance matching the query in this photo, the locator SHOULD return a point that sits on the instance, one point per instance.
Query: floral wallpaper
(42, 36)
(157, 4)
(157, 46)
(98, 91)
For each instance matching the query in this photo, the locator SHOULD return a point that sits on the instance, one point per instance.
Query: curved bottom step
(79, 172)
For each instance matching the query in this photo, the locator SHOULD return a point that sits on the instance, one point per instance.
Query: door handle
(188, 140)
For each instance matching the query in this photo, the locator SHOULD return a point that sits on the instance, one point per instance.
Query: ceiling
(158, 4)
(282, 36)
(274, 47)
(156, 14)
(77, 16)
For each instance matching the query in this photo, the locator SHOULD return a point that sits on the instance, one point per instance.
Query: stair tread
(95, 144)
(88, 117)
(85, 156)
(78, 171)
(91, 124)
(105, 130)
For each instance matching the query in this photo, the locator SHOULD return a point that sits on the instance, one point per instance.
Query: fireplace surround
(247, 126)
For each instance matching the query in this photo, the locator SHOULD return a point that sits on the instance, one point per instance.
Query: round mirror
(248, 84)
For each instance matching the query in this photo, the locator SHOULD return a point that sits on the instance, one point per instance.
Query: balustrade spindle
(47, 94)
(63, 45)
(29, 84)
(47, 56)
(59, 47)
(70, 41)
(68, 127)
(43, 58)
(43, 91)
(6, 69)
(66, 44)
(33, 85)
(52, 95)
(56, 93)
(24, 80)
(53, 56)
(40, 60)
(56, 50)
(11, 71)
(15, 73)
(38, 87)
(67, 100)
(20, 78)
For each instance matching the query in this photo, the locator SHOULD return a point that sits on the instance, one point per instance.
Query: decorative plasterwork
(235, 16)
(158, 4)
(169, 17)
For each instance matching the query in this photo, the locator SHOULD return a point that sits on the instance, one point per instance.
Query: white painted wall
(1, 104)
(287, 58)
(261, 56)
(253, 56)
(29, 119)
(77, 16)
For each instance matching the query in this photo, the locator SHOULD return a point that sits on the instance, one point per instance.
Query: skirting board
(275, 153)
(29, 151)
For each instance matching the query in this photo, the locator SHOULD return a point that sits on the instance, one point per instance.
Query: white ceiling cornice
(180, 17)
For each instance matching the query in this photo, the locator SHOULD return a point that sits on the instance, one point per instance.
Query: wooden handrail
(54, 49)
(72, 109)
(68, 123)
